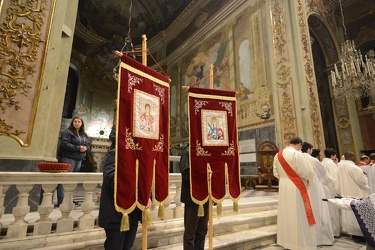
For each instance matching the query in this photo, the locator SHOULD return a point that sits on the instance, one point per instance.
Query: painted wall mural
(239, 54)
(195, 70)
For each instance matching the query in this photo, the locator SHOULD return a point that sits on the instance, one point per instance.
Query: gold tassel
(200, 210)
(124, 223)
(235, 206)
(219, 208)
(148, 217)
(161, 211)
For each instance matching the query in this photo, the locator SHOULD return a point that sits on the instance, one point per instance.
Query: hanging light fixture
(356, 76)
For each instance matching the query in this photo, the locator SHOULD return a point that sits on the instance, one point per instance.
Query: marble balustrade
(25, 181)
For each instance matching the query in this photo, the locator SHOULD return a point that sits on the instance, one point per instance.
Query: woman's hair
(81, 130)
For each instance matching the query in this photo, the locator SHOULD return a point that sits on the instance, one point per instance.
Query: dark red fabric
(132, 188)
(211, 100)
(300, 185)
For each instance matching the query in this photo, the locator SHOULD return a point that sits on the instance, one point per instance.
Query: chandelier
(356, 76)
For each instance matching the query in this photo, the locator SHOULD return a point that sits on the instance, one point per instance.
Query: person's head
(77, 125)
(350, 156)
(316, 153)
(372, 157)
(307, 147)
(365, 159)
(296, 143)
(147, 107)
(330, 153)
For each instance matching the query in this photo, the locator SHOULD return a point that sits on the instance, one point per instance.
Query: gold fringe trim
(125, 226)
(161, 211)
(200, 210)
(148, 217)
(219, 208)
(235, 206)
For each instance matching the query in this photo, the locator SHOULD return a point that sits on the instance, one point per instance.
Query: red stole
(300, 185)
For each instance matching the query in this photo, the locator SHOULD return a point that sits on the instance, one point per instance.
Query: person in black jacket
(195, 227)
(73, 148)
(109, 218)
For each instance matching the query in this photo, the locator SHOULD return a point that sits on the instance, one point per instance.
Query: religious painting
(214, 128)
(146, 115)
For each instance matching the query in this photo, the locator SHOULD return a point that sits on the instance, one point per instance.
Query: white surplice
(370, 171)
(323, 227)
(293, 229)
(353, 183)
(331, 190)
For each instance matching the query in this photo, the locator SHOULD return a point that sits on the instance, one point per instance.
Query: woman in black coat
(73, 148)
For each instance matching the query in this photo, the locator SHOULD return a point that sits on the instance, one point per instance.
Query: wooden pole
(144, 220)
(144, 50)
(210, 220)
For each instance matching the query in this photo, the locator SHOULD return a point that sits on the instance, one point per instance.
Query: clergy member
(331, 187)
(295, 219)
(353, 183)
(323, 227)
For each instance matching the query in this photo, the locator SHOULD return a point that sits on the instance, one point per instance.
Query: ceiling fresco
(112, 17)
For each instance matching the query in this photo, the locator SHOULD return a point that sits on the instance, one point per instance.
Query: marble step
(245, 239)
(228, 230)
(170, 233)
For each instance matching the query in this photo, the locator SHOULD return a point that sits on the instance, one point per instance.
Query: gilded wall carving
(284, 82)
(24, 32)
(310, 77)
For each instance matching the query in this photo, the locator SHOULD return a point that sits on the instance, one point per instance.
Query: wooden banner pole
(144, 219)
(210, 220)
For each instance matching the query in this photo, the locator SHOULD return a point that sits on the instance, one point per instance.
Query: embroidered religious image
(146, 115)
(214, 128)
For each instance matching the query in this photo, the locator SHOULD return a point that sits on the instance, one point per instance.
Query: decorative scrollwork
(230, 150)
(160, 146)
(130, 142)
(227, 106)
(24, 31)
(199, 104)
(132, 81)
(160, 91)
(201, 151)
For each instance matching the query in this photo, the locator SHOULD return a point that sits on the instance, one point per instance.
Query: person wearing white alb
(331, 187)
(295, 220)
(353, 183)
(323, 227)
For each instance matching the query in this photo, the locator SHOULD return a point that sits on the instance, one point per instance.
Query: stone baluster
(168, 212)
(87, 220)
(44, 224)
(18, 228)
(65, 223)
(3, 189)
(178, 210)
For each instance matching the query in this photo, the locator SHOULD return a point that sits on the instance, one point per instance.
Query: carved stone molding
(317, 129)
(24, 32)
(282, 66)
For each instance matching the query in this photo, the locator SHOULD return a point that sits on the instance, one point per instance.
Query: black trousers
(195, 227)
(117, 240)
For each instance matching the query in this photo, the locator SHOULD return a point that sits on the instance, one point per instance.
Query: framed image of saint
(146, 115)
(214, 128)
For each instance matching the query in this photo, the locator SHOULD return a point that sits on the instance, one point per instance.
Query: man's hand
(149, 203)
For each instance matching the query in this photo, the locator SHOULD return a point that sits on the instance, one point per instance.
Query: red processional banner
(142, 145)
(214, 160)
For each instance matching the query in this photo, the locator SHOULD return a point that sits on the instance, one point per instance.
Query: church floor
(344, 242)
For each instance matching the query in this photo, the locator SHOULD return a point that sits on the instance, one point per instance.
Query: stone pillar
(178, 211)
(18, 228)
(65, 223)
(44, 224)
(3, 190)
(87, 220)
